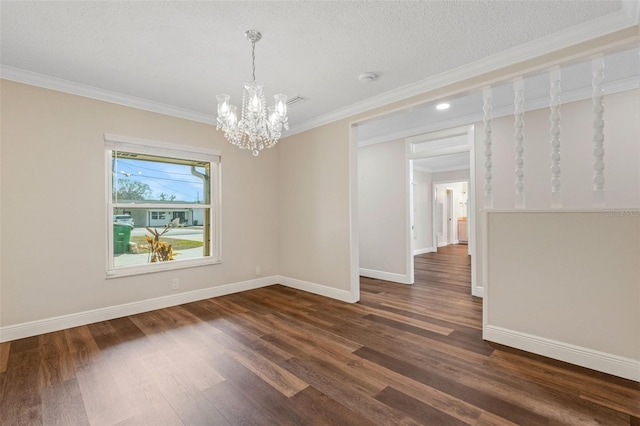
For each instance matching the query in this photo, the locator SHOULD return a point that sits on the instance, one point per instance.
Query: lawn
(176, 244)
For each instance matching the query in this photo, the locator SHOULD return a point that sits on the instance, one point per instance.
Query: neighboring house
(155, 217)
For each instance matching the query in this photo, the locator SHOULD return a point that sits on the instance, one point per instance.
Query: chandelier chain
(253, 58)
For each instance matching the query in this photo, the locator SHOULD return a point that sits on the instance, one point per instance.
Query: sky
(163, 178)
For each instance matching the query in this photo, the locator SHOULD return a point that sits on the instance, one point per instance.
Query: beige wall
(451, 176)
(382, 207)
(53, 222)
(570, 277)
(314, 197)
(422, 211)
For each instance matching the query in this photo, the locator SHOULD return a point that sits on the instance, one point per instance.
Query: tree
(132, 190)
(164, 197)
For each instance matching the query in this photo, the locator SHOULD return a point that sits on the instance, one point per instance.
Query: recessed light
(442, 106)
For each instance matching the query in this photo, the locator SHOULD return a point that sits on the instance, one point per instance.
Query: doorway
(451, 211)
(446, 158)
(449, 238)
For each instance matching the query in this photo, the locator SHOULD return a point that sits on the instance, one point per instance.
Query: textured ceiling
(184, 53)
(622, 72)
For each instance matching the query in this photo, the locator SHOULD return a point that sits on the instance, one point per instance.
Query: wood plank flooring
(403, 355)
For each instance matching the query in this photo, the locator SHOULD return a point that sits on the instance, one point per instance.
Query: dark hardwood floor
(404, 355)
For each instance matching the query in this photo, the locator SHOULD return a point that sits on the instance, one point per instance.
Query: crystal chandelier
(258, 128)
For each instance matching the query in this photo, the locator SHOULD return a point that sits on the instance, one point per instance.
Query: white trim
(319, 289)
(354, 228)
(386, 276)
(161, 206)
(477, 292)
(423, 251)
(161, 148)
(586, 31)
(438, 169)
(449, 132)
(484, 225)
(40, 80)
(114, 143)
(443, 244)
(114, 272)
(408, 217)
(585, 357)
(33, 328)
(440, 152)
(473, 219)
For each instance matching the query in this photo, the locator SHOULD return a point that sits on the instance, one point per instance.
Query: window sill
(153, 268)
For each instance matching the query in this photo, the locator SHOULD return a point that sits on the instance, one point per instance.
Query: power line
(160, 178)
(129, 163)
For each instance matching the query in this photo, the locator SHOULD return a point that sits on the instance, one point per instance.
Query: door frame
(469, 131)
(449, 194)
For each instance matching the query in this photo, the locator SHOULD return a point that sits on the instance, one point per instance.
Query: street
(193, 233)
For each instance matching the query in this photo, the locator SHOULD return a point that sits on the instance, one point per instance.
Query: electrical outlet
(175, 283)
(257, 270)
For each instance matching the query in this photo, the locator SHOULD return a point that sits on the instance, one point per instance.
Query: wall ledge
(584, 357)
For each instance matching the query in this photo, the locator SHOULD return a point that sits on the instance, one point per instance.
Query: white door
(449, 216)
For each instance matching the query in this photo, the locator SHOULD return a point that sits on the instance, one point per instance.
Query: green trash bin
(121, 238)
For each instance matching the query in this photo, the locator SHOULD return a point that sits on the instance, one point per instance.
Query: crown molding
(439, 169)
(626, 17)
(498, 112)
(586, 31)
(40, 80)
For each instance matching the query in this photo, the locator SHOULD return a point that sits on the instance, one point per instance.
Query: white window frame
(163, 149)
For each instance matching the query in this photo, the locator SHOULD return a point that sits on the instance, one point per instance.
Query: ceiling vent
(368, 77)
(296, 100)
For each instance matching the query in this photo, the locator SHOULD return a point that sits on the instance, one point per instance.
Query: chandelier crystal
(259, 127)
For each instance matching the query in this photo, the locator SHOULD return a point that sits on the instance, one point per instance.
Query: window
(163, 206)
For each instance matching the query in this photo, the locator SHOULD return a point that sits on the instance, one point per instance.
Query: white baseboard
(585, 357)
(443, 244)
(319, 289)
(33, 328)
(477, 291)
(387, 276)
(423, 251)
